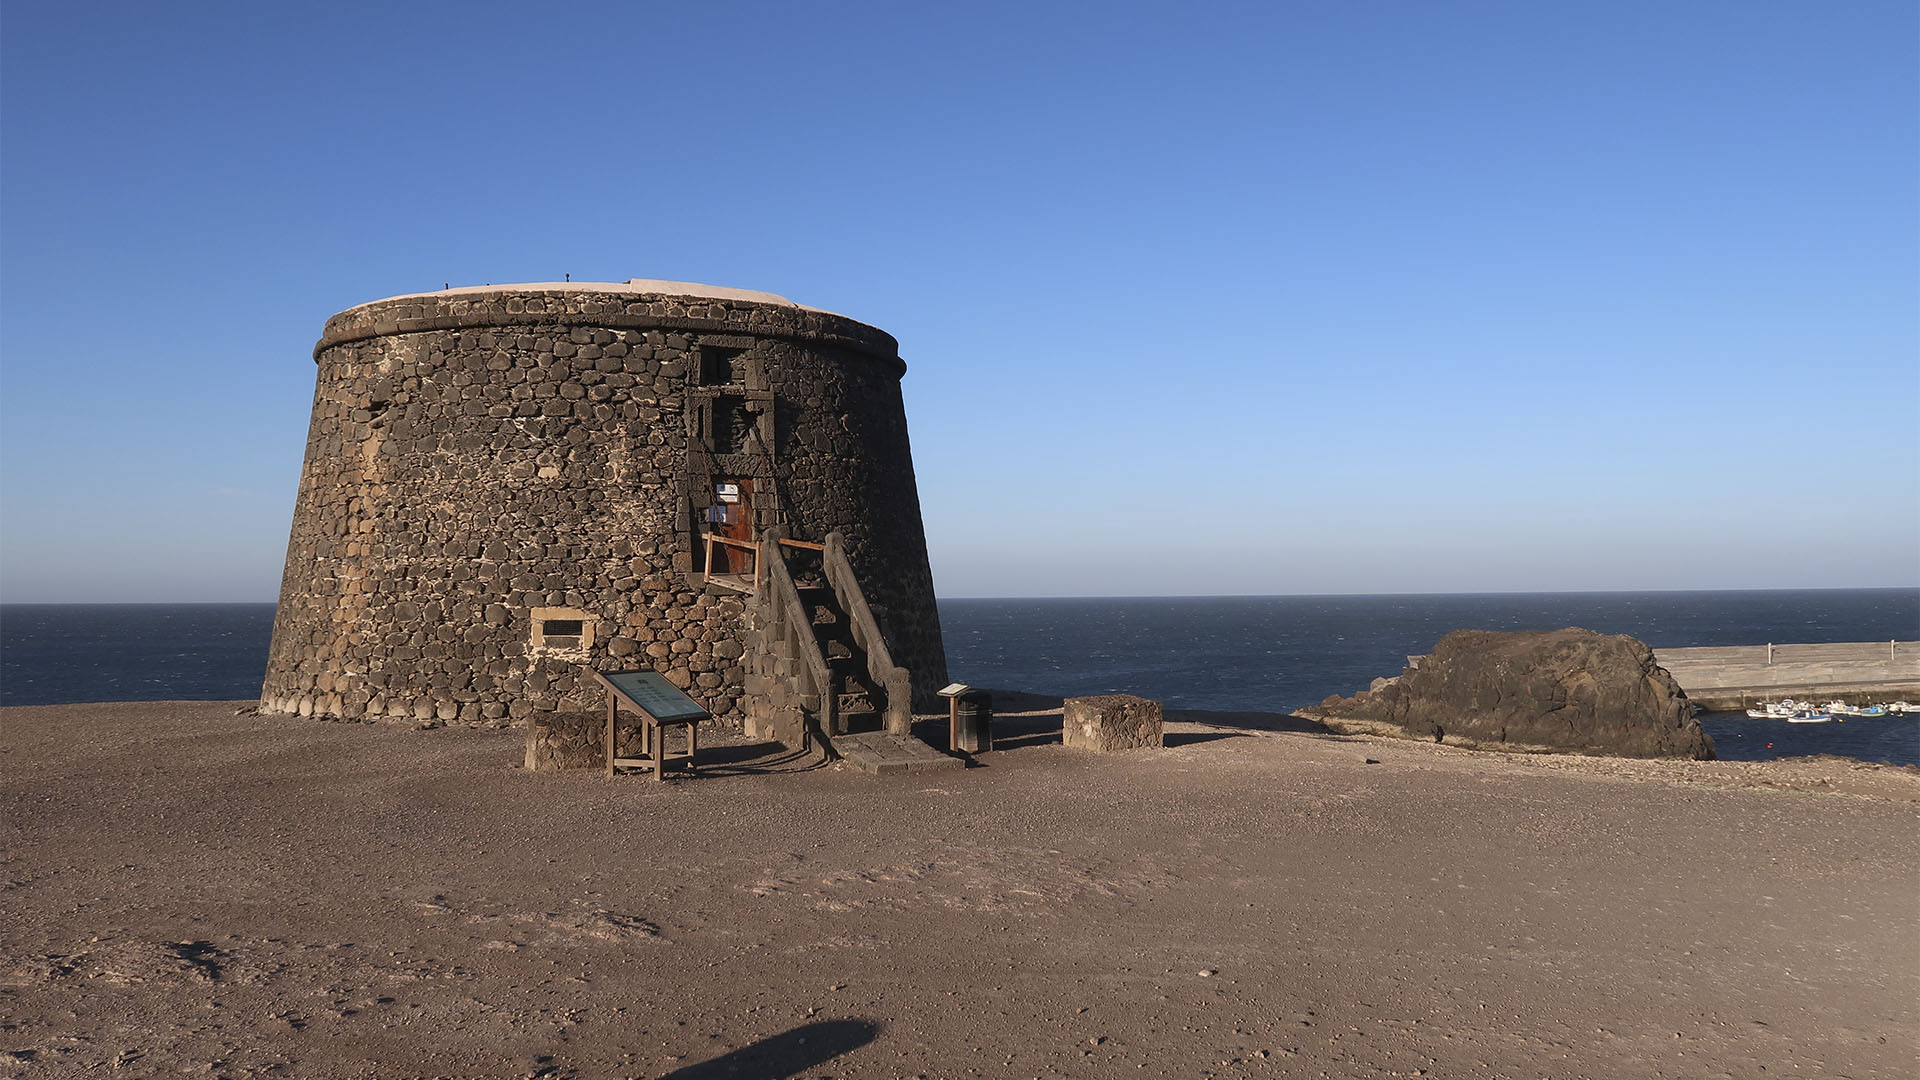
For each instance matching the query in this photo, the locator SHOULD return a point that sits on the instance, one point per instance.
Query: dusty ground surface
(184, 890)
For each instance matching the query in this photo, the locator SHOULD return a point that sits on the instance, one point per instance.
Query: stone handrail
(791, 620)
(866, 634)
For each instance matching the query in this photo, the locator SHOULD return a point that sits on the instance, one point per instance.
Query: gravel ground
(187, 890)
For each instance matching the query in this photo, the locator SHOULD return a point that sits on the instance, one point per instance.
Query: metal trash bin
(971, 726)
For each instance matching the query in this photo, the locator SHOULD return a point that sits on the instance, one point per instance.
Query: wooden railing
(792, 623)
(762, 558)
(866, 633)
(729, 541)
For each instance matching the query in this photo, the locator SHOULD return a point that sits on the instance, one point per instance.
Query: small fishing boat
(1808, 716)
(1903, 707)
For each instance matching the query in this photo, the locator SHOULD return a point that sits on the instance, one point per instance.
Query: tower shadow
(786, 1054)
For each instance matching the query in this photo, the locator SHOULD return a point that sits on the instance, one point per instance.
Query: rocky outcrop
(1566, 690)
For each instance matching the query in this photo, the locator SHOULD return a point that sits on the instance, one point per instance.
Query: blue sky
(1306, 297)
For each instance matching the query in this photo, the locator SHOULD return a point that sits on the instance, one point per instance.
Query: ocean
(1278, 653)
(1238, 654)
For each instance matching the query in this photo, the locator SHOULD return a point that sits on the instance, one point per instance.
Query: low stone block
(577, 740)
(1111, 722)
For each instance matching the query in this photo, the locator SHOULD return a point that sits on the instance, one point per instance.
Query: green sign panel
(652, 693)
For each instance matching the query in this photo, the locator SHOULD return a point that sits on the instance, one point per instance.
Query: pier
(1733, 677)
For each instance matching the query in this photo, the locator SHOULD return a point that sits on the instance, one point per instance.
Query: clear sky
(1287, 297)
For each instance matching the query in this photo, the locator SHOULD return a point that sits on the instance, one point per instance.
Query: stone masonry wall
(846, 472)
(481, 463)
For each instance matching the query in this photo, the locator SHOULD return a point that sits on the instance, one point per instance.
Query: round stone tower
(505, 483)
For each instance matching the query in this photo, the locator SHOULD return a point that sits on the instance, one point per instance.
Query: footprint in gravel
(602, 925)
(574, 925)
(135, 962)
(980, 879)
(39, 970)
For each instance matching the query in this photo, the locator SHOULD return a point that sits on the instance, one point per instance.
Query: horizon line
(1153, 596)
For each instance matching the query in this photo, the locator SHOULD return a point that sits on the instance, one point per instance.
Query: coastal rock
(1569, 690)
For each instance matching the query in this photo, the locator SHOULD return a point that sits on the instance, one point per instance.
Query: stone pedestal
(577, 740)
(1111, 722)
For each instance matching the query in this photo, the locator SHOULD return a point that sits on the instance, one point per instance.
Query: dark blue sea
(1278, 653)
(1238, 654)
(57, 654)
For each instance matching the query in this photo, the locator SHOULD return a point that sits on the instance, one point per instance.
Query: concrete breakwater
(1737, 676)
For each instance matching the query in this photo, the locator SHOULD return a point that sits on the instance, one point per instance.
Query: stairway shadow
(761, 758)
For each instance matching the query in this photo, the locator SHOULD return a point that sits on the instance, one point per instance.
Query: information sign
(651, 692)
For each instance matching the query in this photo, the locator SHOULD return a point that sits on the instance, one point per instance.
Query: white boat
(1775, 710)
(1903, 707)
(1810, 717)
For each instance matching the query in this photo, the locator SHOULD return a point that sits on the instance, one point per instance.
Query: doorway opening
(731, 549)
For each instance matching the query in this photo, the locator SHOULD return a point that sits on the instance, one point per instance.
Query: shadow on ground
(1022, 719)
(1247, 721)
(786, 1054)
(756, 758)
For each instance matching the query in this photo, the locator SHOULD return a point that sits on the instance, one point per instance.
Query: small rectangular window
(721, 366)
(564, 628)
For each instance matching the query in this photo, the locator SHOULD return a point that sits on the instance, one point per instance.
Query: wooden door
(732, 518)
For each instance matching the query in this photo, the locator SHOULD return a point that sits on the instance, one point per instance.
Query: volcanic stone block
(1111, 722)
(578, 740)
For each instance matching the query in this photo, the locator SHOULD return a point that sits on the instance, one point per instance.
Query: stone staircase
(818, 667)
(858, 699)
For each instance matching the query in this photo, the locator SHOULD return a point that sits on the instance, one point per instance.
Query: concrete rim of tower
(667, 305)
(632, 286)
